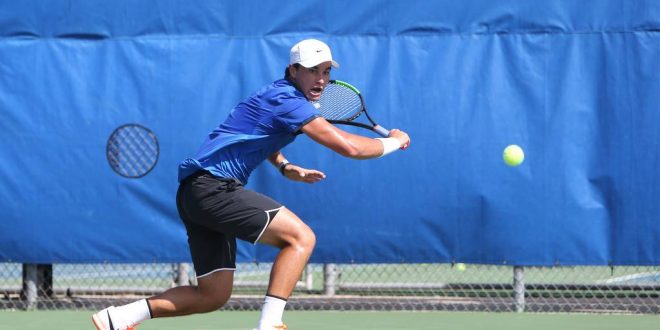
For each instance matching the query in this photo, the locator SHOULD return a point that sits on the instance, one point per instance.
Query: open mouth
(316, 91)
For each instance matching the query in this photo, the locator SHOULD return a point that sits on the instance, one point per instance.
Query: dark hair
(287, 75)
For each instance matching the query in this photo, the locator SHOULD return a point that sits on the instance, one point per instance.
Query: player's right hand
(402, 136)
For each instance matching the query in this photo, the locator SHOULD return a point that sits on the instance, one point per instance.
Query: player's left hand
(297, 173)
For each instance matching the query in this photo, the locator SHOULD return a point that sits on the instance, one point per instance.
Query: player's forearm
(360, 147)
(354, 146)
(345, 143)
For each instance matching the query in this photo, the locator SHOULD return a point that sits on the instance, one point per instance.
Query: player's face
(312, 81)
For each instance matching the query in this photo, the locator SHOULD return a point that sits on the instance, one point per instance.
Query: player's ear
(292, 70)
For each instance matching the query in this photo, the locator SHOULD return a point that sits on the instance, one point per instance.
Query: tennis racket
(341, 103)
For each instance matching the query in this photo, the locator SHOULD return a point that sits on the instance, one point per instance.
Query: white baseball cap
(310, 53)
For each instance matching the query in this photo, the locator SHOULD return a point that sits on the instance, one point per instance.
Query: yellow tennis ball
(513, 155)
(461, 267)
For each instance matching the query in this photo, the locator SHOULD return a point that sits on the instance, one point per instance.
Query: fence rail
(453, 287)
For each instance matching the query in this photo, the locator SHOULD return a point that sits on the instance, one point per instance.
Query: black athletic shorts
(215, 212)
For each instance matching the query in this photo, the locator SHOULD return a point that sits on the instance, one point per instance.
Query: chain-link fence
(452, 287)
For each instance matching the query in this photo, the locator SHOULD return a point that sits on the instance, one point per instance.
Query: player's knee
(302, 240)
(215, 294)
(218, 303)
(306, 239)
(312, 239)
(214, 302)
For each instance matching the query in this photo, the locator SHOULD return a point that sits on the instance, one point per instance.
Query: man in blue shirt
(216, 209)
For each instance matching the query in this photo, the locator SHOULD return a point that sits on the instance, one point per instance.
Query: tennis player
(216, 208)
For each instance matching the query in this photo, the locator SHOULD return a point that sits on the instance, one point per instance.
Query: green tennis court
(349, 320)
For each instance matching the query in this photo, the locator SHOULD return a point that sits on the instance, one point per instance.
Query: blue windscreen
(575, 84)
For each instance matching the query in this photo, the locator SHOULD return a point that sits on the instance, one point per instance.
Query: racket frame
(363, 109)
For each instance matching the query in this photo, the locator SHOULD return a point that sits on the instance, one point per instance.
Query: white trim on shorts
(215, 271)
(267, 223)
(219, 269)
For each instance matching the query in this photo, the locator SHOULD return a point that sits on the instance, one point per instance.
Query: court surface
(348, 320)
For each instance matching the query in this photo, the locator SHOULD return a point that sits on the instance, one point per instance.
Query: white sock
(133, 313)
(271, 312)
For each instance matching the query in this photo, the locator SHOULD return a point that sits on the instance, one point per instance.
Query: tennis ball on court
(513, 155)
(461, 267)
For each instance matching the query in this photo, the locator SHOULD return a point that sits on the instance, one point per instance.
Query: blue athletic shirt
(256, 128)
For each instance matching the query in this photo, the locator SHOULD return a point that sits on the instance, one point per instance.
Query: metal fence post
(181, 277)
(329, 278)
(30, 279)
(309, 277)
(519, 288)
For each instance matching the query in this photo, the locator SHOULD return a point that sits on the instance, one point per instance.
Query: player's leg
(211, 293)
(226, 207)
(296, 242)
(213, 255)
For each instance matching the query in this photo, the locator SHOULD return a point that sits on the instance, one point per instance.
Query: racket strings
(339, 103)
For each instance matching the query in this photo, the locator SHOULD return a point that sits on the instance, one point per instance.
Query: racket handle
(381, 131)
